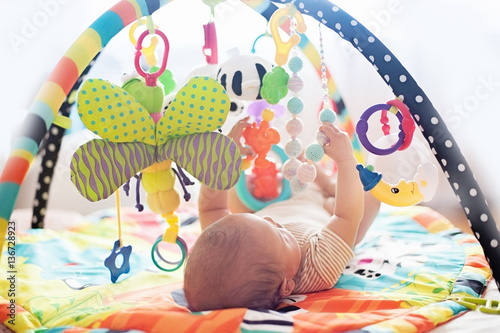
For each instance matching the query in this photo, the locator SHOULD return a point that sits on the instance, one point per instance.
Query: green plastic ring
(182, 245)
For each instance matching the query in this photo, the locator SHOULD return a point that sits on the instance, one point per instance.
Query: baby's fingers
(237, 130)
(330, 130)
(242, 124)
(236, 133)
(246, 151)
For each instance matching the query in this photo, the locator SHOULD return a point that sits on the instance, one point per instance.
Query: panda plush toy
(241, 75)
(238, 107)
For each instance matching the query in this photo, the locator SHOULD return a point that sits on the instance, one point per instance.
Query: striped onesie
(324, 255)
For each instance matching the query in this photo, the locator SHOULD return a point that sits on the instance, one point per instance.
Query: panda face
(167, 100)
(242, 76)
(237, 108)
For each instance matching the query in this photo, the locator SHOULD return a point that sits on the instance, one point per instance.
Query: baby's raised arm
(349, 204)
(213, 204)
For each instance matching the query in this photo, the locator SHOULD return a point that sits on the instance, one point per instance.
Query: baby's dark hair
(215, 277)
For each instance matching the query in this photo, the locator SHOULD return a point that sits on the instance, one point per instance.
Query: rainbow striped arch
(391, 71)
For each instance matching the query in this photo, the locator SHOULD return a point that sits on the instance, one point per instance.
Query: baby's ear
(286, 287)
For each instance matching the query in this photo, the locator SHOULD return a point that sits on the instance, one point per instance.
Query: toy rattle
(265, 183)
(397, 191)
(252, 201)
(407, 126)
(261, 138)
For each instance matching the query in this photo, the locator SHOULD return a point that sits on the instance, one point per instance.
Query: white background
(450, 47)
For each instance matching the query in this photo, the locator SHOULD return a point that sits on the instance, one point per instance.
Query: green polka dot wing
(135, 137)
(114, 114)
(202, 105)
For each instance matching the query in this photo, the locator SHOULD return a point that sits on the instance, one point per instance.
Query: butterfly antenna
(138, 204)
(185, 179)
(126, 187)
(187, 195)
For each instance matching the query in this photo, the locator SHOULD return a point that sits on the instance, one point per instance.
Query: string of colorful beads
(306, 172)
(294, 126)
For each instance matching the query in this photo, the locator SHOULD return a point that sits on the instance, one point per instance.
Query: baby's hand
(236, 133)
(339, 147)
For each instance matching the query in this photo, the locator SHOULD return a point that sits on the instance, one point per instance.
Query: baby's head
(241, 260)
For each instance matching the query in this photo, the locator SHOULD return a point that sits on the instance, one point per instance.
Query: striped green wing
(99, 168)
(212, 158)
(201, 106)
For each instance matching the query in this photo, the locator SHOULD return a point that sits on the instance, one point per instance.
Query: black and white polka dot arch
(54, 91)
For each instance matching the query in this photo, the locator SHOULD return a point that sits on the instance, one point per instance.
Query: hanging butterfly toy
(138, 138)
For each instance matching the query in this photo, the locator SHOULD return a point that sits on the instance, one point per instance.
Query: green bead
(295, 105)
(295, 64)
(315, 152)
(327, 115)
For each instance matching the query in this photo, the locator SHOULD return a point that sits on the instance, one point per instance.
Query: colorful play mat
(404, 277)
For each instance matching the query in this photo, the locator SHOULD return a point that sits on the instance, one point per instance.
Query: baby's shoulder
(301, 230)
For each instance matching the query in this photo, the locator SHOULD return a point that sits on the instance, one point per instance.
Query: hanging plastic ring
(134, 27)
(406, 127)
(151, 77)
(407, 124)
(265, 34)
(177, 264)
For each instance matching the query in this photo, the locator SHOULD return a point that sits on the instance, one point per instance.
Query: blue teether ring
(110, 261)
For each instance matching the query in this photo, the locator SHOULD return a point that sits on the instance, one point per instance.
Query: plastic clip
(149, 51)
(210, 47)
(151, 77)
(283, 48)
(484, 305)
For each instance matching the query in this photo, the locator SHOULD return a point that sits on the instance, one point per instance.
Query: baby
(254, 259)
